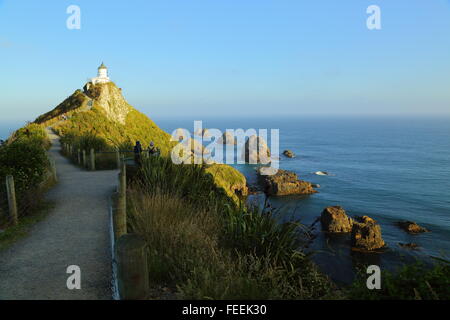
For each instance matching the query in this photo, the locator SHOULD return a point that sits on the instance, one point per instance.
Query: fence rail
(99, 160)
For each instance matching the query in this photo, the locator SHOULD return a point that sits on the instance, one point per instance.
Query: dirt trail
(76, 232)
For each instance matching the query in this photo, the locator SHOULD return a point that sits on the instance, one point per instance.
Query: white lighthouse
(102, 75)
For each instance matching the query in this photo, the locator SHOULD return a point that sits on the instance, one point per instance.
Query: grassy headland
(100, 118)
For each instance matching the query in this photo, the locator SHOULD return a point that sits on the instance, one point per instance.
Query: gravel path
(76, 232)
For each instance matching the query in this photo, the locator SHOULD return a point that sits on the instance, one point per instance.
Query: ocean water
(390, 169)
(8, 127)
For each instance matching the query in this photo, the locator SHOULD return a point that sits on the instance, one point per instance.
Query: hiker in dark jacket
(137, 152)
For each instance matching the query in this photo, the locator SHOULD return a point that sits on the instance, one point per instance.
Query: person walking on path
(152, 150)
(137, 152)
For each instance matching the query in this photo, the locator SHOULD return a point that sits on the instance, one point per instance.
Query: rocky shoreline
(364, 232)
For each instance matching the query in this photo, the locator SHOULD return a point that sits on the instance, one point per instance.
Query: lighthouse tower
(102, 75)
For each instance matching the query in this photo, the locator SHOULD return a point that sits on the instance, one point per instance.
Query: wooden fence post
(120, 218)
(79, 156)
(118, 158)
(84, 159)
(92, 164)
(132, 267)
(11, 191)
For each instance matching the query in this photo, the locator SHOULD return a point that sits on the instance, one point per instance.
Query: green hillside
(99, 117)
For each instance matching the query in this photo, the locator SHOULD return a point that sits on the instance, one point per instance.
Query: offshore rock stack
(334, 219)
(365, 231)
(284, 183)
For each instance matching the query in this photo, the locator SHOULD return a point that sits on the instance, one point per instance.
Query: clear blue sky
(229, 57)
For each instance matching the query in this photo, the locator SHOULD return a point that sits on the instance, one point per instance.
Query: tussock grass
(178, 232)
(208, 247)
(191, 182)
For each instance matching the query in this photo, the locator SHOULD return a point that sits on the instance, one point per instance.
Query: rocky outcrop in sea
(411, 227)
(288, 153)
(256, 151)
(366, 234)
(365, 231)
(284, 183)
(334, 219)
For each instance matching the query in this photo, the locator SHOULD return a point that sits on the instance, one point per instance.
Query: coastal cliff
(100, 112)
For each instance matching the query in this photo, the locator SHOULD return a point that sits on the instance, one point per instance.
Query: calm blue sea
(8, 127)
(390, 169)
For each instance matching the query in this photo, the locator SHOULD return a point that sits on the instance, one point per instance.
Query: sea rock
(180, 134)
(289, 153)
(366, 234)
(284, 183)
(202, 133)
(256, 151)
(365, 219)
(409, 245)
(198, 149)
(334, 219)
(195, 146)
(411, 227)
(208, 160)
(227, 138)
(253, 189)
